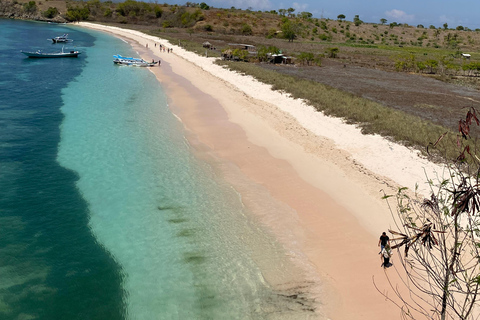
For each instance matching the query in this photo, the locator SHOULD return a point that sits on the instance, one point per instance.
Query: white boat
(134, 62)
(63, 38)
(62, 54)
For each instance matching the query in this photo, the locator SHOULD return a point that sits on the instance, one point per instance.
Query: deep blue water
(105, 211)
(51, 265)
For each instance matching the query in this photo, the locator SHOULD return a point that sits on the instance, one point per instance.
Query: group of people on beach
(385, 250)
(162, 48)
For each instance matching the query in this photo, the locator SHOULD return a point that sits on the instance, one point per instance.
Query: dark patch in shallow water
(186, 233)
(194, 258)
(179, 220)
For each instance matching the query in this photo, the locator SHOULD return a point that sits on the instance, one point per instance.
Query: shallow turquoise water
(105, 211)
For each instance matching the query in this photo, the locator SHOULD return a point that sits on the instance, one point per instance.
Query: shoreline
(329, 208)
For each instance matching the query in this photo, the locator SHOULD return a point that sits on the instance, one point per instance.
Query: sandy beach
(313, 181)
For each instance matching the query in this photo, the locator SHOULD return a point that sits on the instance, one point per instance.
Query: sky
(412, 12)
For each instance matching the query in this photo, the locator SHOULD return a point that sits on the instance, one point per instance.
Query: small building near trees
(279, 58)
(248, 47)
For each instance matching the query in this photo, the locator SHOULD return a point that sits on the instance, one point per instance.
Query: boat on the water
(62, 54)
(134, 62)
(63, 39)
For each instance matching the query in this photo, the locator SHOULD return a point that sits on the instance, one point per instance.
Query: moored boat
(63, 38)
(62, 54)
(134, 62)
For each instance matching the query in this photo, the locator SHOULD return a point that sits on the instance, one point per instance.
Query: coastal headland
(312, 181)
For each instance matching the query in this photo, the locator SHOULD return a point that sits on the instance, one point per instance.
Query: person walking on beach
(385, 257)
(384, 240)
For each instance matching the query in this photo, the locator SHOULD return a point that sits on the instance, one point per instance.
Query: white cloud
(299, 7)
(400, 15)
(444, 19)
(244, 4)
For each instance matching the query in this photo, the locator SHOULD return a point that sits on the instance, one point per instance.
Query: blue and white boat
(134, 62)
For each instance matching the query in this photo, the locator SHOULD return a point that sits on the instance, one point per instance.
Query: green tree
(383, 21)
(108, 13)
(460, 28)
(204, 6)
(50, 13)
(289, 29)
(357, 20)
(306, 57)
(432, 65)
(240, 54)
(158, 11)
(30, 7)
(77, 13)
(291, 12)
(129, 8)
(341, 17)
(264, 52)
(332, 52)
(247, 30)
(305, 15)
(445, 26)
(393, 24)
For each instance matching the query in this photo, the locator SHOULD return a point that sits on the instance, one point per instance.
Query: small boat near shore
(61, 39)
(134, 62)
(62, 54)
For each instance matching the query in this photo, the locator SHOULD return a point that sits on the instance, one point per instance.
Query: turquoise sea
(105, 212)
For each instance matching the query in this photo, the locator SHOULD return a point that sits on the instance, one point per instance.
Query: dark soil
(440, 102)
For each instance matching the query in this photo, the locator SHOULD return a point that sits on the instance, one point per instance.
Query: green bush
(108, 13)
(77, 14)
(30, 7)
(306, 58)
(247, 30)
(50, 13)
(242, 55)
(158, 11)
(272, 33)
(332, 52)
(263, 51)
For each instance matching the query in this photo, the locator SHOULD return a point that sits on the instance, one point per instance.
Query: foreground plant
(440, 240)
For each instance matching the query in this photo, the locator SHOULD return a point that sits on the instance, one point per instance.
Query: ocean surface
(105, 212)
